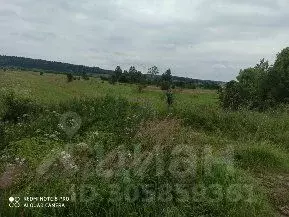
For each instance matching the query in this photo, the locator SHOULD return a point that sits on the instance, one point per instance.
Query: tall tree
(166, 80)
(153, 71)
(278, 78)
(117, 73)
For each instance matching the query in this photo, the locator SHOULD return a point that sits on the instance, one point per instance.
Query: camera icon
(14, 202)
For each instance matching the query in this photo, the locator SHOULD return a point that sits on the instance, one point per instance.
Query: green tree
(118, 73)
(277, 85)
(249, 90)
(232, 96)
(84, 76)
(166, 80)
(69, 77)
(153, 71)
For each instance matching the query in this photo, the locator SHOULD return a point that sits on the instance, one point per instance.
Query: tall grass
(128, 155)
(242, 125)
(124, 160)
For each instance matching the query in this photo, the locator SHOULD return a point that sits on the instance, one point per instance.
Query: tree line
(153, 77)
(132, 75)
(24, 63)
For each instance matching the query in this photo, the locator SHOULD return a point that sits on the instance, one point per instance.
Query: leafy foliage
(166, 80)
(260, 87)
(18, 109)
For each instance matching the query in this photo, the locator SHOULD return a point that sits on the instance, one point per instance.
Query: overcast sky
(207, 39)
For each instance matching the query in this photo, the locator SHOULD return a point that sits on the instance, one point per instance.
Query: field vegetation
(117, 151)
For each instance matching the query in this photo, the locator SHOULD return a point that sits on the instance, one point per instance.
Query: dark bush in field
(18, 109)
(70, 77)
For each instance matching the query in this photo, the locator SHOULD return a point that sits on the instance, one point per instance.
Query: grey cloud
(202, 39)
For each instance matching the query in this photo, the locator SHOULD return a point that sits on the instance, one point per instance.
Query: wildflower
(60, 126)
(96, 133)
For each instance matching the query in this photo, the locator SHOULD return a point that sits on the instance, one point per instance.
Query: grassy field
(115, 151)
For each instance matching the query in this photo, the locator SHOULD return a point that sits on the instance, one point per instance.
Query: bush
(165, 85)
(232, 96)
(85, 76)
(70, 77)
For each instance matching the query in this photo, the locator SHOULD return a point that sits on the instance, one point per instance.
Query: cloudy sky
(207, 39)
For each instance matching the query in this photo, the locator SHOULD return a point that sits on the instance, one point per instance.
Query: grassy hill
(116, 151)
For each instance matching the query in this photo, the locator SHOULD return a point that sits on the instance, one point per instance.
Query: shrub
(69, 77)
(18, 109)
(85, 76)
(165, 85)
(232, 96)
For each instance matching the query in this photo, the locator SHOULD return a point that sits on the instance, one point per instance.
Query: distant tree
(84, 76)
(166, 80)
(48, 66)
(134, 76)
(118, 73)
(169, 96)
(153, 71)
(112, 79)
(104, 78)
(69, 77)
(124, 78)
(167, 76)
(41, 72)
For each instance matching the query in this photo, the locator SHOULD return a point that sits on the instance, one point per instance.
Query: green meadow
(115, 150)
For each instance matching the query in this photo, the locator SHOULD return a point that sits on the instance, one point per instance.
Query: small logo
(14, 201)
